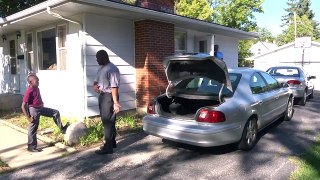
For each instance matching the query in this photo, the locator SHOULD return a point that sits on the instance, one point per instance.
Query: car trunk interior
(182, 107)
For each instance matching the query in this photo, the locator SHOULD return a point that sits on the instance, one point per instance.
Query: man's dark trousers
(33, 126)
(108, 118)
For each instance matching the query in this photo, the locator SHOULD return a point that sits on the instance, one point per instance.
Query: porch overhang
(37, 16)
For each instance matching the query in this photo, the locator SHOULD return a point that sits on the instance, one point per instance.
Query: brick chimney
(158, 5)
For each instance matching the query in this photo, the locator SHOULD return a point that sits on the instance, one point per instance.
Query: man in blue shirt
(217, 53)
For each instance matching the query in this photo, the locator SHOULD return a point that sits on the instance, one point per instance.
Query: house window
(52, 48)
(30, 60)
(13, 59)
(180, 41)
(47, 49)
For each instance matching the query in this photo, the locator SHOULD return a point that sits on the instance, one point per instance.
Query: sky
(273, 12)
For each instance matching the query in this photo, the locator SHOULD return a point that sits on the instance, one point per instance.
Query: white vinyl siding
(116, 36)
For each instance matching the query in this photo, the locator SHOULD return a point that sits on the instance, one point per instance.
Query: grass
(124, 124)
(3, 167)
(309, 163)
(19, 119)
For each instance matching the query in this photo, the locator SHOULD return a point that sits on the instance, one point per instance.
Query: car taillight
(211, 116)
(151, 109)
(294, 82)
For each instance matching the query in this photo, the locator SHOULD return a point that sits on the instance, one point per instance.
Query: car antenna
(220, 93)
(168, 89)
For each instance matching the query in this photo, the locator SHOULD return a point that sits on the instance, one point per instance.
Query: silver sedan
(299, 81)
(207, 105)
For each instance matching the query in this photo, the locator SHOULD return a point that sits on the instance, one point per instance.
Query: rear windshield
(282, 71)
(206, 86)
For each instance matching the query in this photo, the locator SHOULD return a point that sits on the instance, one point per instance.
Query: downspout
(82, 49)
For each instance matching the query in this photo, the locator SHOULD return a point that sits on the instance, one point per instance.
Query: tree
(197, 9)
(239, 14)
(265, 35)
(8, 7)
(304, 28)
(301, 8)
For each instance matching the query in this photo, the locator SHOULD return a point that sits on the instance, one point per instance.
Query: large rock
(10, 101)
(74, 132)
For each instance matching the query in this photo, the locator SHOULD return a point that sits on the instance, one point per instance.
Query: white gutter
(162, 15)
(61, 17)
(34, 10)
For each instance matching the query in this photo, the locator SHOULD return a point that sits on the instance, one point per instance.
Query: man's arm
(24, 108)
(115, 95)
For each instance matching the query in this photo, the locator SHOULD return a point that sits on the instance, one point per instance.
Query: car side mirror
(284, 85)
(312, 77)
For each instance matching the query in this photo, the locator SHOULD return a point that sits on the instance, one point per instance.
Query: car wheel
(289, 112)
(303, 100)
(311, 95)
(249, 135)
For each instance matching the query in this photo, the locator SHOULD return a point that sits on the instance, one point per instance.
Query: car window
(284, 71)
(206, 86)
(271, 82)
(257, 84)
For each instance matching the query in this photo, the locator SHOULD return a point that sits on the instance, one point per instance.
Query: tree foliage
(306, 25)
(197, 9)
(8, 7)
(265, 35)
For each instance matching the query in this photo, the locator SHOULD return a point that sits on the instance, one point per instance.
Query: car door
(280, 97)
(263, 99)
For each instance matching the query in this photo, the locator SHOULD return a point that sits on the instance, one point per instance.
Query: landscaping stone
(74, 132)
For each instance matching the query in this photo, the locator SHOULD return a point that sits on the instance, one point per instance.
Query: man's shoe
(33, 149)
(104, 151)
(114, 145)
(64, 129)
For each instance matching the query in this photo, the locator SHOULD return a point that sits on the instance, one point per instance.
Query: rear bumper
(298, 92)
(194, 133)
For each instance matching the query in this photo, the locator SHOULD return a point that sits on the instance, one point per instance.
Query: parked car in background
(205, 105)
(298, 80)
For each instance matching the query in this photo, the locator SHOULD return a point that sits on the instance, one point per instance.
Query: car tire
(289, 112)
(249, 135)
(303, 100)
(311, 95)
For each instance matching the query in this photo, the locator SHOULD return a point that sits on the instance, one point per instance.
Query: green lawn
(309, 164)
(126, 123)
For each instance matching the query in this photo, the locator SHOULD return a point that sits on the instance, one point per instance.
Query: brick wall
(153, 41)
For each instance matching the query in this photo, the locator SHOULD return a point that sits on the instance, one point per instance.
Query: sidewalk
(13, 147)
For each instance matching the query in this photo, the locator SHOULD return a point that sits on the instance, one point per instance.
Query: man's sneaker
(104, 151)
(31, 149)
(114, 145)
(64, 129)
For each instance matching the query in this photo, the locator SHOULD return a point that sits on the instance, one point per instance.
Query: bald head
(102, 57)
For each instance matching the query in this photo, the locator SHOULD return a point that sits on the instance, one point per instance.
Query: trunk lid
(178, 68)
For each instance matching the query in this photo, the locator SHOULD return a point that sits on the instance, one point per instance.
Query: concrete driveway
(146, 157)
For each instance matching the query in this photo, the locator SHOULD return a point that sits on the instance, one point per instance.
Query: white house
(261, 48)
(287, 54)
(58, 39)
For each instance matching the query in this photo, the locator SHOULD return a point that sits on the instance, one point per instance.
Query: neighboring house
(58, 40)
(261, 48)
(287, 54)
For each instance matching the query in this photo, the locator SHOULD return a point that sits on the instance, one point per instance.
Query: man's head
(216, 47)
(33, 80)
(102, 57)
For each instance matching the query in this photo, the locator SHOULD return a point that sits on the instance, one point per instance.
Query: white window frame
(56, 43)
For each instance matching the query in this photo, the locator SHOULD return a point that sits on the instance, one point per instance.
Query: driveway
(146, 157)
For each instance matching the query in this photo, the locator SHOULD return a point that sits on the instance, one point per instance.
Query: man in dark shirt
(32, 107)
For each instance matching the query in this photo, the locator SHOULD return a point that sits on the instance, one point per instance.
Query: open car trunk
(182, 107)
